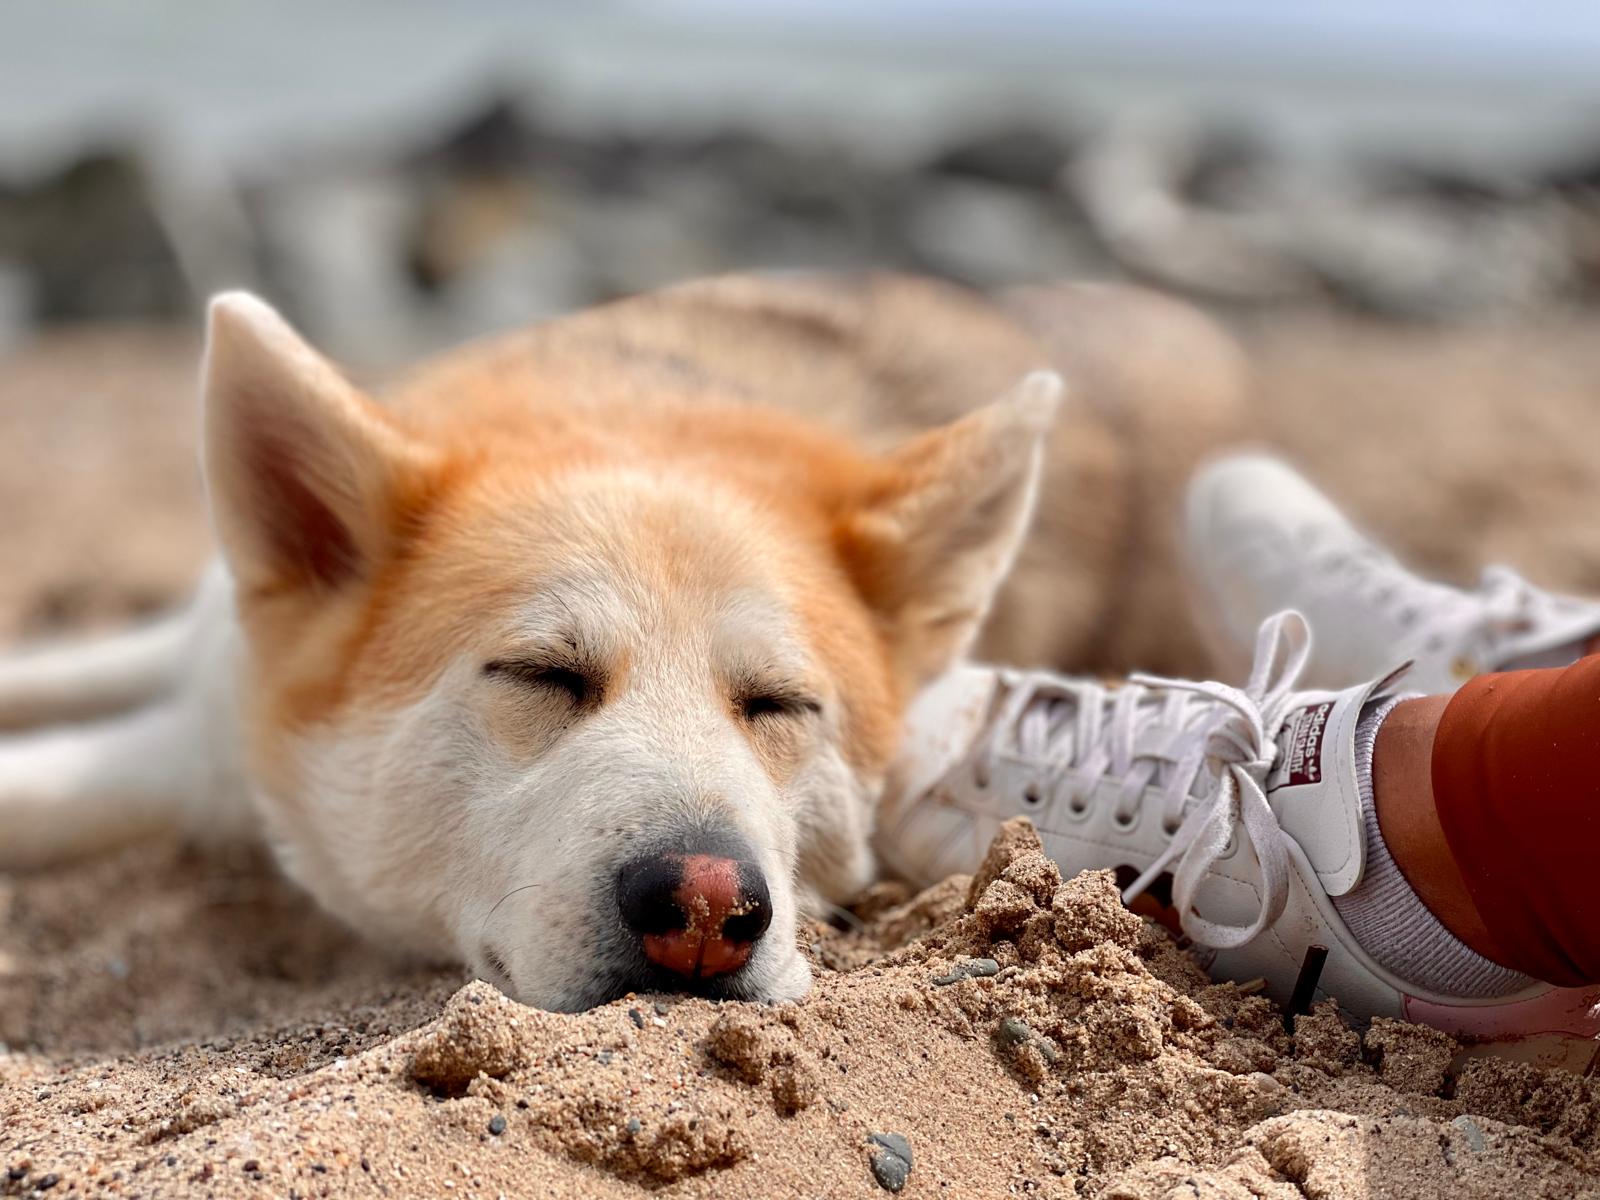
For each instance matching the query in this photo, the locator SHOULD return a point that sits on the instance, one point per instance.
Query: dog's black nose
(697, 912)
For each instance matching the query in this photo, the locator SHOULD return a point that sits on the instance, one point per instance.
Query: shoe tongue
(1312, 785)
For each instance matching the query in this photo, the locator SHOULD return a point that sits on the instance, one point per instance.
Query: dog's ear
(303, 471)
(932, 542)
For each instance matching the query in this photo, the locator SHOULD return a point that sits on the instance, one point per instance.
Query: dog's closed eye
(579, 686)
(756, 706)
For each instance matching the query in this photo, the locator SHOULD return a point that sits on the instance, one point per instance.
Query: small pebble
(16, 1173)
(604, 1058)
(634, 1125)
(636, 1017)
(661, 1009)
(497, 1125)
(891, 1161)
(1272, 1096)
(1473, 1133)
(1014, 1031)
(48, 1182)
(251, 1164)
(968, 968)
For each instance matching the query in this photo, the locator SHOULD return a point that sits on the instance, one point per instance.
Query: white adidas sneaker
(1260, 539)
(1243, 804)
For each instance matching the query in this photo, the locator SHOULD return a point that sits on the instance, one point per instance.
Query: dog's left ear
(307, 477)
(931, 543)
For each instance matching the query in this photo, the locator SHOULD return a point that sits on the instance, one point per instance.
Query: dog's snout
(696, 914)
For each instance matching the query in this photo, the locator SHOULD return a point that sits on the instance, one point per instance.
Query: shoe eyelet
(1077, 808)
(1170, 827)
(1031, 797)
(1125, 824)
(980, 779)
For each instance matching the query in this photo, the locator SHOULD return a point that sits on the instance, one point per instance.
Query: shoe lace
(1206, 746)
(1505, 604)
(1474, 623)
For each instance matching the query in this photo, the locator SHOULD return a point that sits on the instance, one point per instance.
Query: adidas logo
(1300, 747)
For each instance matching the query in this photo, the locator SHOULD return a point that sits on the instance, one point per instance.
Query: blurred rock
(16, 305)
(1414, 258)
(1577, 184)
(506, 217)
(1127, 182)
(1229, 222)
(1024, 156)
(90, 243)
(989, 234)
(505, 139)
(332, 254)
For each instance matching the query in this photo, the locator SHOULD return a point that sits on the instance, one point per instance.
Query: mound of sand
(185, 1025)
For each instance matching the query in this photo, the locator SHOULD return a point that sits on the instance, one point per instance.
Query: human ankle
(1402, 795)
(1429, 935)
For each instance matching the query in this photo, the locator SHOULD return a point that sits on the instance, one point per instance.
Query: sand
(184, 1023)
(156, 1049)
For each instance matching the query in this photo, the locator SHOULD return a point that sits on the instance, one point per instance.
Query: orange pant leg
(1516, 779)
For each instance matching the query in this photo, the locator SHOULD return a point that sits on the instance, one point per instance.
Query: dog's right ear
(931, 542)
(305, 474)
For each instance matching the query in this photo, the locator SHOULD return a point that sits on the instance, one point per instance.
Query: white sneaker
(1248, 797)
(1259, 539)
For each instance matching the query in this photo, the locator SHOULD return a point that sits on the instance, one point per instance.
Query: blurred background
(1393, 202)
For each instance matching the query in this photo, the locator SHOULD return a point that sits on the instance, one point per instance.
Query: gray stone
(968, 968)
(891, 1161)
(1470, 1130)
(1014, 1031)
(895, 1143)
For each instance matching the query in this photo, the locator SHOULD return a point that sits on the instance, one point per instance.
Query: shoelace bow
(1508, 603)
(1474, 622)
(1212, 745)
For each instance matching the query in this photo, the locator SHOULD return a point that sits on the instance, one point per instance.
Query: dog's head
(593, 692)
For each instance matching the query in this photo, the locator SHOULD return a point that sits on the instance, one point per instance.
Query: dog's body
(651, 584)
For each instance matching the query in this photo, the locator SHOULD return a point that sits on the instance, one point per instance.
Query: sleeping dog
(580, 655)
